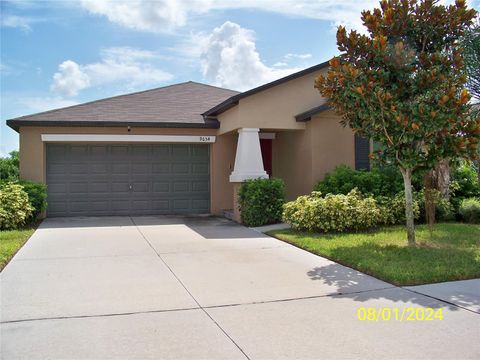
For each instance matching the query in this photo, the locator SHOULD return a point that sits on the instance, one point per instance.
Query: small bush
(392, 209)
(385, 181)
(332, 213)
(470, 210)
(15, 209)
(261, 201)
(37, 196)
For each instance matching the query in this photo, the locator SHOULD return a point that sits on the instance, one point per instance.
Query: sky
(62, 53)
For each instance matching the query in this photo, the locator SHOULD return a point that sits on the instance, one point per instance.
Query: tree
(9, 166)
(402, 85)
(471, 45)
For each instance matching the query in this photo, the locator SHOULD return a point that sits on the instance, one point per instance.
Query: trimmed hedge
(15, 209)
(332, 213)
(261, 201)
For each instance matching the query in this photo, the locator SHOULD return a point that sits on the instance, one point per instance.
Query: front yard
(11, 241)
(452, 252)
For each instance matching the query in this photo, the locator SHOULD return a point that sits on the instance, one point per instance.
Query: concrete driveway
(205, 288)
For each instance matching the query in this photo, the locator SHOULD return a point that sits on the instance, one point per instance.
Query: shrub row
(340, 213)
(21, 203)
(385, 184)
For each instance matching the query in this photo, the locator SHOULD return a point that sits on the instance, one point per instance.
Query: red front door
(266, 147)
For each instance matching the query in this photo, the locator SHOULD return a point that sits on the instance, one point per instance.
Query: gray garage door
(127, 179)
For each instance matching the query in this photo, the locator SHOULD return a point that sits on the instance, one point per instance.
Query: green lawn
(11, 241)
(451, 253)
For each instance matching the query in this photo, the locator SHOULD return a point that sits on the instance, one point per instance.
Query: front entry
(266, 147)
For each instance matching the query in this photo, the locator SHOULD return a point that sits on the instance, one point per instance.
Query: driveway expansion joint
(186, 289)
(99, 315)
(441, 300)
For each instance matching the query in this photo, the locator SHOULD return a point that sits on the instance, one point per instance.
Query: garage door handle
(130, 187)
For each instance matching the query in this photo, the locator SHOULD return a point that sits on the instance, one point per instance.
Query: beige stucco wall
(222, 163)
(332, 144)
(222, 155)
(292, 161)
(274, 108)
(302, 158)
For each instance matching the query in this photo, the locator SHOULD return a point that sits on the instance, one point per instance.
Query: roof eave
(208, 124)
(307, 115)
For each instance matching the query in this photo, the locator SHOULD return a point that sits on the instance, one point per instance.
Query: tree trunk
(442, 172)
(430, 184)
(407, 180)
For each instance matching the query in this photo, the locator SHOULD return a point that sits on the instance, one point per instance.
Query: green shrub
(332, 213)
(37, 196)
(384, 181)
(261, 201)
(15, 208)
(470, 210)
(392, 209)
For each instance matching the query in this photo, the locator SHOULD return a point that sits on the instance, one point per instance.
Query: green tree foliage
(471, 53)
(402, 85)
(9, 167)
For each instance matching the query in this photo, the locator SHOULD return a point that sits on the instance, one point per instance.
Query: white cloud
(229, 58)
(129, 66)
(166, 15)
(146, 15)
(297, 56)
(13, 21)
(69, 79)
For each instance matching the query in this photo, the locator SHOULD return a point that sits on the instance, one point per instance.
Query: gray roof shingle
(179, 105)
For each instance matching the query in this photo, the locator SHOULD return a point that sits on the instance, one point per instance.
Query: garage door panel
(99, 187)
(119, 152)
(181, 168)
(180, 151)
(161, 151)
(120, 169)
(200, 169)
(161, 187)
(77, 150)
(127, 179)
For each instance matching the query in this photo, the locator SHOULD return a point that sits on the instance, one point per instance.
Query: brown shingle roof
(179, 105)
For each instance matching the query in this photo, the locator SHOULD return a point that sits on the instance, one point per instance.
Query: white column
(248, 160)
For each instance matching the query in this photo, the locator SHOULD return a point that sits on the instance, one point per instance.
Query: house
(184, 148)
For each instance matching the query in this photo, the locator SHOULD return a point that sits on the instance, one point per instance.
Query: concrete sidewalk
(205, 288)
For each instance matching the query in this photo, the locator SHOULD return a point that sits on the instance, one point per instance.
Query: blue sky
(60, 53)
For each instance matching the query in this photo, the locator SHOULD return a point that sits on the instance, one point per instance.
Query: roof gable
(233, 101)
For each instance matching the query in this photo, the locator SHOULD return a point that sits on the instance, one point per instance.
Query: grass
(451, 252)
(11, 241)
